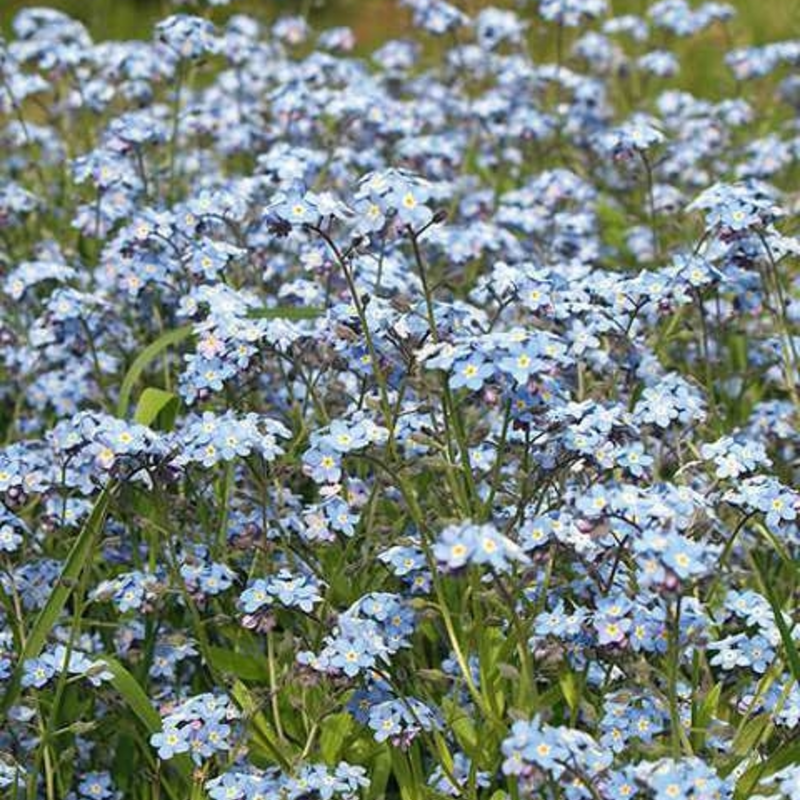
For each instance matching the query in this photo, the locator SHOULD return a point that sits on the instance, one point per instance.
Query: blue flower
(96, 786)
(400, 720)
(460, 545)
(287, 589)
(187, 36)
(169, 742)
(571, 13)
(471, 373)
(634, 459)
(37, 672)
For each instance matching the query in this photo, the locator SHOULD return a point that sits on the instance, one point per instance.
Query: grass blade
(155, 403)
(292, 313)
(792, 655)
(139, 703)
(149, 354)
(77, 560)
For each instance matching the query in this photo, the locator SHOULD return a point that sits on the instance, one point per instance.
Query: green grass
(374, 21)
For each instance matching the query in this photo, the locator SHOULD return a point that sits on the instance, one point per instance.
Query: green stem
(651, 202)
(273, 686)
(176, 117)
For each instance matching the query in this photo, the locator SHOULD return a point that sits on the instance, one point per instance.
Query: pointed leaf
(79, 558)
(154, 404)
(292, 313)
(144, 359)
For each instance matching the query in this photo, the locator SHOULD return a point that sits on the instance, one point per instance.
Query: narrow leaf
(139, 703)
(380, 771)
(155, 403)
(292, 313)
(333, 736)
(246, 666)
(792, 655)
(133, 694)
(570, 689)
(77, 560)
(782, 757)
(142, 361)
(263, 732)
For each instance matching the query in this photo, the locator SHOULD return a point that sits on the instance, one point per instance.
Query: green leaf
(139, 703)
(749, 735)
(792, 655)
(292, 313)
(264, 735)
(462, 726)
(570, 688)
(705, 712)
(245, 666)
(614, 223)
(133, 694)
(154, 404)
(791, 564)
(334, 732)
(379, 771)
(739, 350)
(445, 757)
(144, 359)
(79, 558)
(783, 757)
(408, 785)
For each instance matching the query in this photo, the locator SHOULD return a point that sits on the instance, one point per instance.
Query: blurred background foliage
(375, 21)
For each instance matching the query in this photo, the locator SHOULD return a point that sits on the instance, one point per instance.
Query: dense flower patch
(411, 426)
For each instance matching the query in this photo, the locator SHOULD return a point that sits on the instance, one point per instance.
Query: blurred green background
(375, 21)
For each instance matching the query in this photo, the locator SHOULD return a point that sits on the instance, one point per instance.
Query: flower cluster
(199, 726)
(413, 423)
